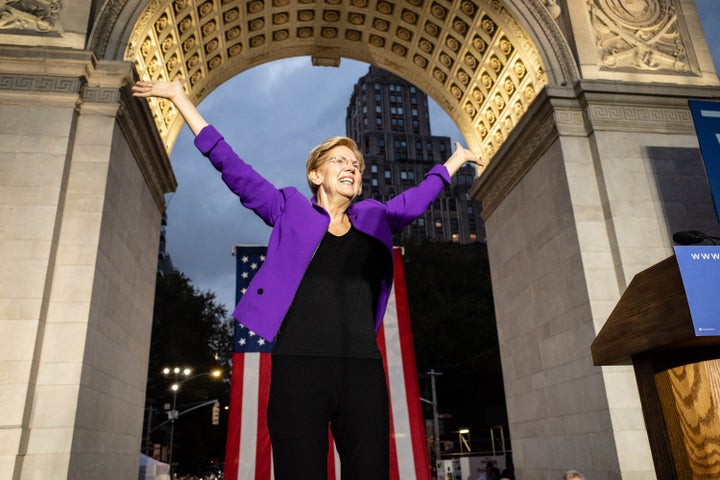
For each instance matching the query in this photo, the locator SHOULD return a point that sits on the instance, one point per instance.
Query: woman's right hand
(174, 92)
(160, 88)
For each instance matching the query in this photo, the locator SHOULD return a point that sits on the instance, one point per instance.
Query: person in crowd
(491, 472)
(508, 473)
(573, 475)
(320, 294)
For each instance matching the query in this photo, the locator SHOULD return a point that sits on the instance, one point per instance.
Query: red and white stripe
(249, 455)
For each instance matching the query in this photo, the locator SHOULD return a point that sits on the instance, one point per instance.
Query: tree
(454, 330)
(189, 329)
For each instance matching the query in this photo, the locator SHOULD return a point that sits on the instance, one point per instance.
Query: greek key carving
(101, 95)
(639, 118)
(36, 83)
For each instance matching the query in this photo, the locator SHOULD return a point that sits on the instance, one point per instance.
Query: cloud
(272, 115)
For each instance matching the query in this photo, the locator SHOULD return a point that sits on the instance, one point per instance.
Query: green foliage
(190, 329)
(454, 330)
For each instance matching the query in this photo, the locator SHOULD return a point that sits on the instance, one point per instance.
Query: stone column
(577, 202)
(82, 178)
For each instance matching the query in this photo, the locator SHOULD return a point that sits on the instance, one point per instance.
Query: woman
(320, 295)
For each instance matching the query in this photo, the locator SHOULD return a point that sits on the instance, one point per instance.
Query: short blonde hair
(319, 155)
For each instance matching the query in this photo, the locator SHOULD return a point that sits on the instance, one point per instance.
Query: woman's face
(340, 174)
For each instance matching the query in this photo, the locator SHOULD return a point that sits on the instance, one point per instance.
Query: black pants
(309, 393)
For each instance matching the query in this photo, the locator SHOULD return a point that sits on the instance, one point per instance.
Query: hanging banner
(706, 117)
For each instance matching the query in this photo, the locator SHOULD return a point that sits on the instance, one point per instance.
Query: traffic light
(216, 413)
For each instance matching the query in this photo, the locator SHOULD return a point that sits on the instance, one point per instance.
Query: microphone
(691, 237)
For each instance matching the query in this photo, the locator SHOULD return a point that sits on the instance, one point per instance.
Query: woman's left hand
(466, 155)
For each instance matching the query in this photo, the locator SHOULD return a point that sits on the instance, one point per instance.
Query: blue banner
(706, 117)
(700, 272)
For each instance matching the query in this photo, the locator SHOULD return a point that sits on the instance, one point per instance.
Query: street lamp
(436, 423)
(178, 372)
(464, 435)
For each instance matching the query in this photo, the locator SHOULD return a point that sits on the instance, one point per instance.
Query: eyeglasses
(344, 162)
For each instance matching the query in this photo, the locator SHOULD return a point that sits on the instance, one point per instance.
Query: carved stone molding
(101, 95)
(473, 56)
(641, 35)
(29, 16)
(39, 83)
(135, 120)
(641, 118)
(537, 131)
(578, 111)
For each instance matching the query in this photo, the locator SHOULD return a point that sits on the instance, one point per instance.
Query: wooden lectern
(677, 372)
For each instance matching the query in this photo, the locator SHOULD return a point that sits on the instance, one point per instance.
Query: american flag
(248, 450)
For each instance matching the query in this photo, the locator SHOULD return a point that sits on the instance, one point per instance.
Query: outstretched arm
(174, 92)
(459, 157)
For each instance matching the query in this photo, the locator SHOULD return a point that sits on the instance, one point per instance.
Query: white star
(251, 333)
(262, 258)
(261, 341)
(253, 266)
(243, 290)
(244, 274)
(241, 341)
(245, 259)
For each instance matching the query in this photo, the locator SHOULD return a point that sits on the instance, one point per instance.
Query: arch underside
(471, 56)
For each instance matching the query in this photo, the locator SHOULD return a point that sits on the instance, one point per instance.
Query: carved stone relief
(639, 34)
(473, 49)
(29, 15)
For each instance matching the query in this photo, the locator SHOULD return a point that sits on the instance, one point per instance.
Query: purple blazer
(298, 226)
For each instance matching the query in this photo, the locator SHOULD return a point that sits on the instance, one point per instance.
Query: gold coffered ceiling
(472, 57)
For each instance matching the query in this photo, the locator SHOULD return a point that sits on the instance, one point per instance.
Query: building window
(373, 168)
(378, 109)
(374, 182)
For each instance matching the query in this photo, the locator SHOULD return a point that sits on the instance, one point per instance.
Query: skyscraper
(389, 119)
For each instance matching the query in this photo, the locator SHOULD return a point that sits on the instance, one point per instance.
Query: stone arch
(579, 197)
(482, 61)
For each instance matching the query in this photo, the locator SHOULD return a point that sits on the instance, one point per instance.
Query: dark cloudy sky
(273, 115)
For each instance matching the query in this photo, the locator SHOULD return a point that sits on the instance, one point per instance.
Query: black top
(333, 311)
